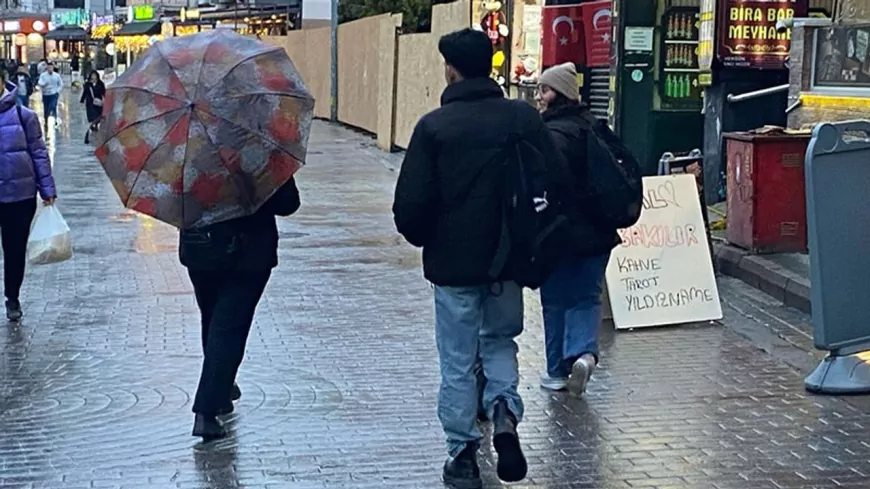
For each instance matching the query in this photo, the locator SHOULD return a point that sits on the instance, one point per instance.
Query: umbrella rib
(277, 94)
(141, 121)
(232, 68)
(152, 92)
(150, 153)
(257, 133)
(172, 69)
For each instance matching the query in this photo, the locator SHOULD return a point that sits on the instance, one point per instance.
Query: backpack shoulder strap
(21, 120)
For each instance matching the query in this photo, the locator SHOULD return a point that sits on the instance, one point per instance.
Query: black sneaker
(512, 466)
(462, 472)
(13, 310)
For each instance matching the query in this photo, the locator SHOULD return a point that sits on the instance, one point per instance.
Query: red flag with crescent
(562, 39)
(596, 25)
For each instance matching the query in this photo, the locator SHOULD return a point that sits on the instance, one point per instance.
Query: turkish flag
(562, 39)
(596, 25)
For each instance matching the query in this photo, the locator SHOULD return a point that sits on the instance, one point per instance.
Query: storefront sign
(639, 39)
(706, 34)
(596, 26)
(662, 273)
(142, 12)
(562, 38)
(189, 13)
(74, 17)
(10, 26)
(747, 32)
(841, 57)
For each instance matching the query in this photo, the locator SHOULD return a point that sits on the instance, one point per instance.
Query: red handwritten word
(659, 236)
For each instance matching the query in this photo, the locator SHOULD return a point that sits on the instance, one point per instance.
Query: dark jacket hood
(471, 89)
(7, 99)
(566, 111)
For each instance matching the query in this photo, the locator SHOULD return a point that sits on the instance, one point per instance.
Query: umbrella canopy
(204, 128)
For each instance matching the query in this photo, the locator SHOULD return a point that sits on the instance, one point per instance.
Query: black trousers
(227, 301)
(15, 219)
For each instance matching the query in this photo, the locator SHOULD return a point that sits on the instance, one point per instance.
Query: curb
(788, 287)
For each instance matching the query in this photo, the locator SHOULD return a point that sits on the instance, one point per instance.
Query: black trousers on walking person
(15, 219)
(227, 301)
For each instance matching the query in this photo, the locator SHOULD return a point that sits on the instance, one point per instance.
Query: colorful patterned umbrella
(204, 128)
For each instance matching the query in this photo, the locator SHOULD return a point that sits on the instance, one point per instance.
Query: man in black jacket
(449, 202)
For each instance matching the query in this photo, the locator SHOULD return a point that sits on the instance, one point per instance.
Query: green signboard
(143, 12)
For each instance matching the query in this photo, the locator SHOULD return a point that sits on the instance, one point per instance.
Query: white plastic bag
(49, 240)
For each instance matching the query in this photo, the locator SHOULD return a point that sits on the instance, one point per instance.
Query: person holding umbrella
(209, 143)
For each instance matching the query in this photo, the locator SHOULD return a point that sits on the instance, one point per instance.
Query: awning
(66, 33)
(139, 29)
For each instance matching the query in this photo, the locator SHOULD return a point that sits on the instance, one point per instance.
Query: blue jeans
(571, 300)
(49, 106)
(472, 322)
(23, 100)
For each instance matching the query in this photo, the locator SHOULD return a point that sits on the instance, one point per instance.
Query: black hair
(468, 51)
(94, 73)
(560, 100)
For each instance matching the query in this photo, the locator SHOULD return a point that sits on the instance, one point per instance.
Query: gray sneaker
(553, 383)
(581, 372)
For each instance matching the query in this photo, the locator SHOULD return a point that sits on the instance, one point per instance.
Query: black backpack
(534, 230)
(614, 177)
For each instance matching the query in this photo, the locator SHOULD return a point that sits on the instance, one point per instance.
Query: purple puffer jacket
(24, 163)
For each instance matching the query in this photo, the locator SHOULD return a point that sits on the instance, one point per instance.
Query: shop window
(841, 60)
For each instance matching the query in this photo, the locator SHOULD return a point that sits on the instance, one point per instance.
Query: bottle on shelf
(671, 27)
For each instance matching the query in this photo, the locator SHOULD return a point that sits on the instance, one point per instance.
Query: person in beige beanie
(560, 80)
(571, 296)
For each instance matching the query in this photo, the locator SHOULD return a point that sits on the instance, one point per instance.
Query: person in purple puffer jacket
(24, 170)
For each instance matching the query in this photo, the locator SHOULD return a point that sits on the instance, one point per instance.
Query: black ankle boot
(512, 466)
(208, 427)
(13, 310)
(462, 472)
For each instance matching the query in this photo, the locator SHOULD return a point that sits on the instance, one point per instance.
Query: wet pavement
(341, 372)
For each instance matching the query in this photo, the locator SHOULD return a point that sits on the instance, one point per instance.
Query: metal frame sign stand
(837, 179)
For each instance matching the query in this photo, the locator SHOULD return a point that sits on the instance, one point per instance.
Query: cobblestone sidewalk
(340, 377)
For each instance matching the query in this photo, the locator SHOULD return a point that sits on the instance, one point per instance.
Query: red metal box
(767, 208)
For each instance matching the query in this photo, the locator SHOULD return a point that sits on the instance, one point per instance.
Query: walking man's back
(449, 201)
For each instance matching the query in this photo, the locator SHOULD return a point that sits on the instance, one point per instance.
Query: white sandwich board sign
(662, 273)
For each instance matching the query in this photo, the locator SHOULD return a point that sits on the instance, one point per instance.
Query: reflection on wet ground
(341, 373)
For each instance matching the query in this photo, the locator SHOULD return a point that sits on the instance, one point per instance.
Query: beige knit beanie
(563, 79)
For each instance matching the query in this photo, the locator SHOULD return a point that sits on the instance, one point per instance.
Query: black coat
(569, 125)
(246, 244)
(448, 198)
(89, 93)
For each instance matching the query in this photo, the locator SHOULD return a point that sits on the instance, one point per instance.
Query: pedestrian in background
(50, 83)
(571, 296)
(25, 86)
(449, 199)
(24, 170)
(229, 264)
(92, 96)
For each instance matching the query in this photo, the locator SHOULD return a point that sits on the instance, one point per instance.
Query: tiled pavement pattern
(341, 374)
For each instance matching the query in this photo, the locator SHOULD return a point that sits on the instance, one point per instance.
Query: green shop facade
(675, 63)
